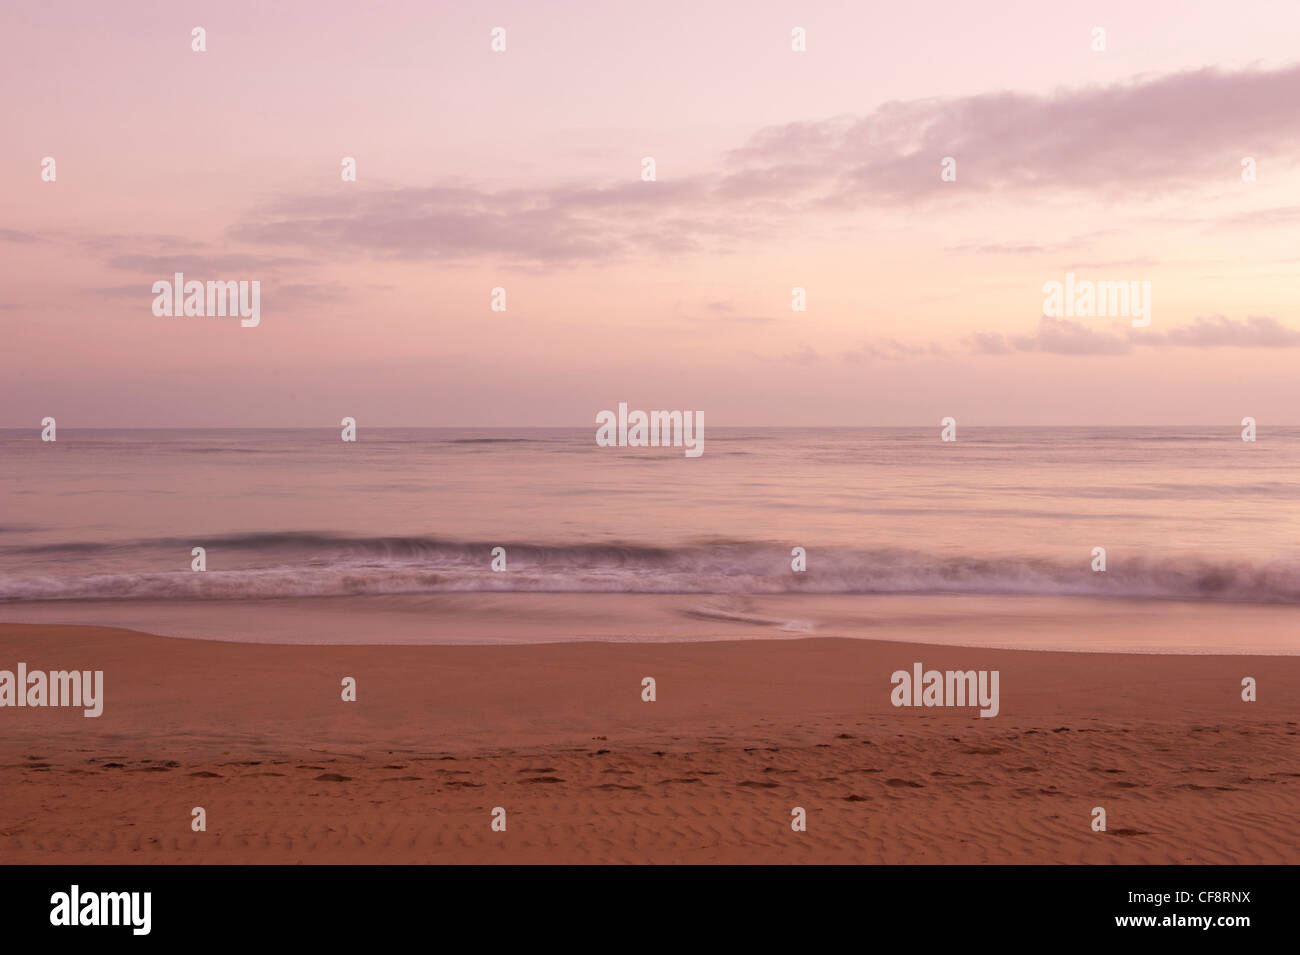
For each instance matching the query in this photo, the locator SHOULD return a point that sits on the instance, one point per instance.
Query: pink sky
(522, 170)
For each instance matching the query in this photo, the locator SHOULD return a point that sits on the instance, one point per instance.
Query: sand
(1029, 623)
(557, 734)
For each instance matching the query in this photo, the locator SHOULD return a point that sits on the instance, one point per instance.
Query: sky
(775, 169)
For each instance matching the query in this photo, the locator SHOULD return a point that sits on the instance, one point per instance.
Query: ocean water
(1183, 513)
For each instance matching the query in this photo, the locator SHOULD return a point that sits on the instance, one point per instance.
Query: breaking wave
(303, 565)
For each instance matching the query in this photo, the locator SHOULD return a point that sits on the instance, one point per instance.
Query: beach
(500, 597)
(748, 723)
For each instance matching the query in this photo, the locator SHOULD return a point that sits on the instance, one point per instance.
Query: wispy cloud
(1257, 331)
(1059, 336)
(209, 264)
(1066, 337)
(1148, 135)
(889, 349)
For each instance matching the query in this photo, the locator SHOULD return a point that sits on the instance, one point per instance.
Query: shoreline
(741, 732)
(1054, 624)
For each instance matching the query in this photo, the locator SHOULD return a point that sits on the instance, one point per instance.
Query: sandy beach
(742, 731)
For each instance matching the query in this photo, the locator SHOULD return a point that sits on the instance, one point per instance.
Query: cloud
(200, 265)
(889, 349)
(1162, 132)
(1256, 331)
(13, 235)
(1001, 248)
(311, 291)
(563, 225)
(1058, 336)
(804, 355)
(746, 320)
(106, 242)
(1147, 135)
(989, 343)
(1275, 216)
(1066, 337)
(1061, 336)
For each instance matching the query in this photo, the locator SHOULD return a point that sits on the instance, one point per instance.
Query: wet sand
(1031, 623)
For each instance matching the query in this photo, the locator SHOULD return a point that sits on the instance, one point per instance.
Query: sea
(1170, 513)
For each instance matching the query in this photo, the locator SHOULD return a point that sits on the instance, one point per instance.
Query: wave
(306, 564)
